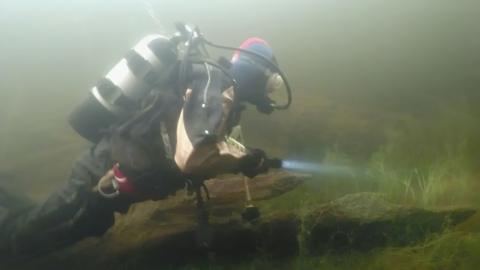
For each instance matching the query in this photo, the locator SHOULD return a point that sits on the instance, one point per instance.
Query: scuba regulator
(157, 63)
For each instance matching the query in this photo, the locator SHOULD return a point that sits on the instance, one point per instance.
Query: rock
(160, 234)
(366, 220)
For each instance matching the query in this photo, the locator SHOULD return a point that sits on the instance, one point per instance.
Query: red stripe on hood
(247, 43)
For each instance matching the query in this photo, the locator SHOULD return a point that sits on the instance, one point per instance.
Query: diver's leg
(72, 212)
(10, 207)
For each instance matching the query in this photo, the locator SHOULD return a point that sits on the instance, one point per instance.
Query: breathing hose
(270, 64)
(195, 39)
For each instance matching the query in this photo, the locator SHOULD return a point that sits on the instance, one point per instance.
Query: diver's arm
(211, 159)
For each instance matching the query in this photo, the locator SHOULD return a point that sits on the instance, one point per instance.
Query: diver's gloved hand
(254, 163)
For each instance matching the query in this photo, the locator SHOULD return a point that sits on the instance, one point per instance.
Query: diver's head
(255, 81)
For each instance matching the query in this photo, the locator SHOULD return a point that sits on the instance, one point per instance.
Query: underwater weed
(427, 165)
(444, 182)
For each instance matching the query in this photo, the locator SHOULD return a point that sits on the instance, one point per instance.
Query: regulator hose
(193, 38)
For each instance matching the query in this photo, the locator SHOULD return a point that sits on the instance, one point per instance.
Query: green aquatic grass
(444, 182)
(429, 162)
(426, 164)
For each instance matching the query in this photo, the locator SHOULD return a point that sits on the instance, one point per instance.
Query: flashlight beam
(319, 168)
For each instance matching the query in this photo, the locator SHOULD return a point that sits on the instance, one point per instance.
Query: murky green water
(375, 82)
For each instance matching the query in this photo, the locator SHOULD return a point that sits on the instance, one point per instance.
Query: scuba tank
(116, 96)
(153, 63)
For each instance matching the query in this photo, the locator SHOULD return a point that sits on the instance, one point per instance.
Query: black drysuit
(70, 213)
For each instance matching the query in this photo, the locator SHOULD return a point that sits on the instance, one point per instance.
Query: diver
(158, 121)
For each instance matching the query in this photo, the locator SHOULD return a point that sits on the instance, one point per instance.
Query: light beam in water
(317, 168)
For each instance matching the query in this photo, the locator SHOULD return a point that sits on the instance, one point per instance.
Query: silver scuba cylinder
(118, 94)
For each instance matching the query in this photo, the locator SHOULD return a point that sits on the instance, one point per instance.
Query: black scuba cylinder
(118, 95)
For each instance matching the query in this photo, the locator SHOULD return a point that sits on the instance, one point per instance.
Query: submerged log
(158, 234)
(227, 198)
(354, 222)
